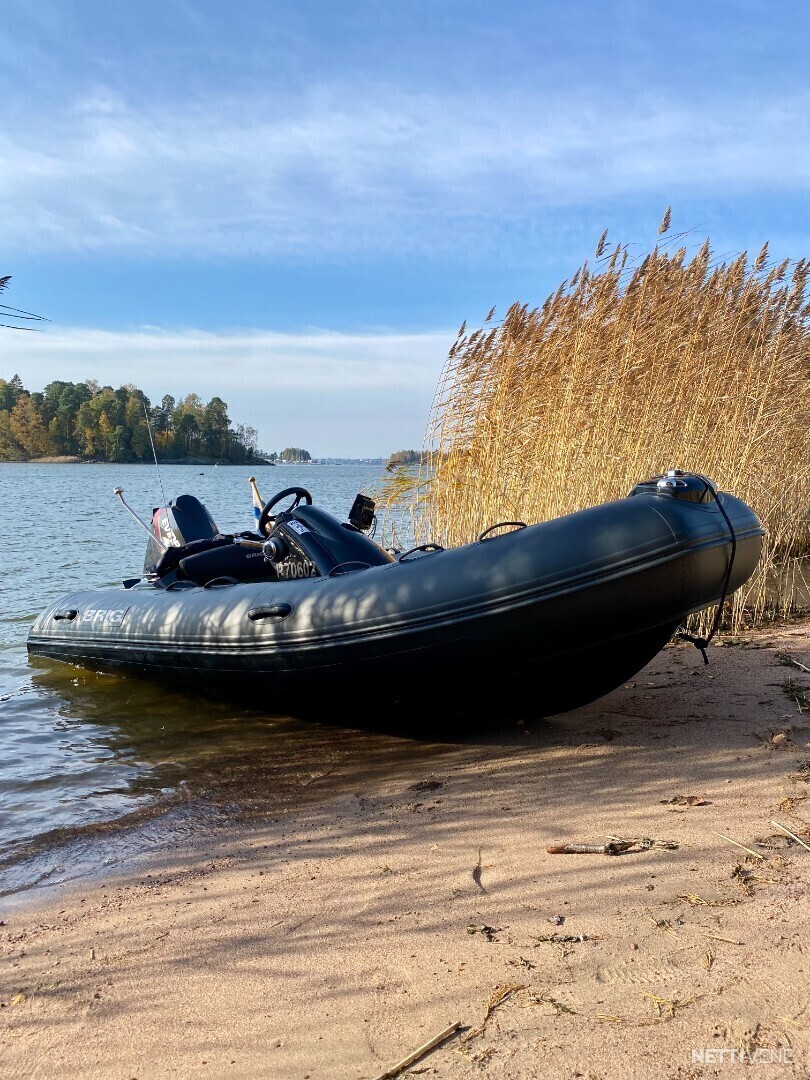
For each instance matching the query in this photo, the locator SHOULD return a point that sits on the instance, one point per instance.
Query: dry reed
(630, 368)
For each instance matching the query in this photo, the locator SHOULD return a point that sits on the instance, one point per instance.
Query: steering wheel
(301, 495)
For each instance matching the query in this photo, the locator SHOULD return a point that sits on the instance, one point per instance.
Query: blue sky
(294, 206)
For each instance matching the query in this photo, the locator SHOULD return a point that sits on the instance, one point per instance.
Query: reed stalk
(630, 368)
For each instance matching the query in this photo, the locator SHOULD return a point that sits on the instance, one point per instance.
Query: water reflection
(143, 765)
(80, 750)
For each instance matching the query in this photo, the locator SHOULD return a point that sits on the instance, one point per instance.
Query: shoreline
(329, 936)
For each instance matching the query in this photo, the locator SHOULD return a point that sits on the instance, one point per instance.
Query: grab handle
(271, 611)
(516, 525)
(68, 614)
(428, 549)
(350, 567)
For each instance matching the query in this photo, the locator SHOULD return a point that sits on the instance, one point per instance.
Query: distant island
(70, 422)
(403, 458)
(87, 422)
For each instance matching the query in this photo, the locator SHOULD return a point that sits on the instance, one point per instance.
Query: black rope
(702, 643)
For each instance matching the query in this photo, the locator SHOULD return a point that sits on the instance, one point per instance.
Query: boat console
(299, 541)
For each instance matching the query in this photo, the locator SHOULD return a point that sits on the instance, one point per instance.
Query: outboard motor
(184, 520)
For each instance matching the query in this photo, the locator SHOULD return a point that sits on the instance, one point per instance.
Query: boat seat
(226, 560)
(203, 560)
(171, 557)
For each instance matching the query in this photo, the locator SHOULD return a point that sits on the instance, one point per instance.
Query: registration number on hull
(293, 568)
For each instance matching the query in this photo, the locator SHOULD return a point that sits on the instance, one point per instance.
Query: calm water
(77, 749)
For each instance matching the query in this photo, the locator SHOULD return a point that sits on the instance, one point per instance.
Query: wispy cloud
(336, 173)
(270, 361)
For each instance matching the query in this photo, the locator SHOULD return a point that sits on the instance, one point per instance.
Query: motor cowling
(183, 521)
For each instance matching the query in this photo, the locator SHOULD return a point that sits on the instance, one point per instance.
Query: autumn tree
(27, 428)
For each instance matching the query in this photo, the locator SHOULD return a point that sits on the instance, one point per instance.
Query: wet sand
(327, 935)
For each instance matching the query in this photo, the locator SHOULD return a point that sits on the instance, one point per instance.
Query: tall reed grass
(630, 368)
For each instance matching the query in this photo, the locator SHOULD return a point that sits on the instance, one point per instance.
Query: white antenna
(154, 452)
(119, 491)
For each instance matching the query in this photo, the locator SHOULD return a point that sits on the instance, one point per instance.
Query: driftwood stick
(793, 835)
(424, 1049)
(614, 847)
(577, 849)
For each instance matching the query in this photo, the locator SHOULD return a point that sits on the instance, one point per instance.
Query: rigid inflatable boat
(553, 614)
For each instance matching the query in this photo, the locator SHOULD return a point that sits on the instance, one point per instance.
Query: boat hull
(553, 615)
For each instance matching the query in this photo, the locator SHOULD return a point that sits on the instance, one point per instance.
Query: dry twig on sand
(496, 998)
(700, 901)
(543, 997)
(586, 849)
(787, 660)
(792, 835)
(425, 1048)
(736, 843)
(667, 1007)
(564, 939)
(614, 846)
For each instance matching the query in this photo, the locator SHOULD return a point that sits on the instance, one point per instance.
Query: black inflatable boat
(556, 613)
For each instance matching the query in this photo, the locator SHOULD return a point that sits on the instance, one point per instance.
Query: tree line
(402, 458)
(290, 453)
(97, 423)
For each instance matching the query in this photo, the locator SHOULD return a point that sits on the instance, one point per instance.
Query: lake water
(79, 750)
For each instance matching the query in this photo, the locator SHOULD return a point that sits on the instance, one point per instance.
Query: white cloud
(335, 173)
(357, 394)
(273, 361)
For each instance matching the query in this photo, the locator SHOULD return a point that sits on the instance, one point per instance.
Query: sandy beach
(331, 937)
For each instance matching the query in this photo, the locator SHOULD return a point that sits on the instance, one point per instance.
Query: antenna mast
(154, 452)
